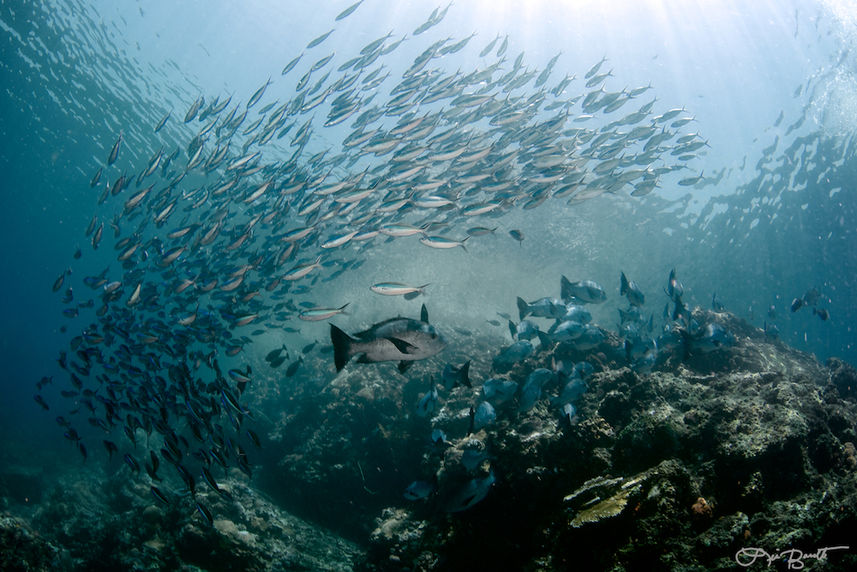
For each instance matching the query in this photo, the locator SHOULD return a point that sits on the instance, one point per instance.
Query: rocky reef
(91, 521)
(749, 446)
(740, 455)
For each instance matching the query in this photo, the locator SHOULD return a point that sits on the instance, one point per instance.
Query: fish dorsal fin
(404, 365)
(401, 345)
(424, 314)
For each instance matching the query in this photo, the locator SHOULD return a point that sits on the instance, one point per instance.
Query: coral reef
(751, 445)
(745, 450)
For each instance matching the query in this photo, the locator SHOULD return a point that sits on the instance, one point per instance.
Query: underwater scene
(404, 285)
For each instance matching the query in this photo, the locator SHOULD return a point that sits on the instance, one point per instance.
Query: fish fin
(544, 339)
(465, 374)
(564, 289)
(424, 314)
(341, 347)
(553, 328)
(623, 286)
(523, 308)
(513, 330)
(404, 365)
(401, 345)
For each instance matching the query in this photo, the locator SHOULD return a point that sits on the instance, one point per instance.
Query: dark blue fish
(209, 478)
(111, 448)
(205, 513)
(159, 496)
(473, 492)
(630, 290)
(131, 462)
(452, 376)
(485, 415)
(418, 490)
(293, 367)
(41, 401)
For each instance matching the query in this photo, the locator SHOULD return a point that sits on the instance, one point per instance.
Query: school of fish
(241, 224)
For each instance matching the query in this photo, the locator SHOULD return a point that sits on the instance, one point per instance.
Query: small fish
(257, 95)
(428, 402)
(348, 11)
(131, 462)
(485, 415)
(689, 181)
(594, 69)
(319, 39)
(443, 242)
(473, 492)
(275, 354)
(205, 513)
(568, 412)
(162, 122)
(41, 401)
(418, 490)
(316, 314)
(630, 290)
(453, 377)
(255, 438)
(293, 367)
(302, 270)
(674, 288)
(60, 279)
(114, 153)
(111, 448)
(95, 178)
(397, 289)
(822, 313)
(159, 496)
(480, 230)
(499, 390)
(209, 478)
(541, 308)
(487, 49)
(716, 305)
(506, 359)
(517, 235)
(584, 291)
(292, 64)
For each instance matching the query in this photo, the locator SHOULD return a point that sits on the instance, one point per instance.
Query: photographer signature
(793, 557)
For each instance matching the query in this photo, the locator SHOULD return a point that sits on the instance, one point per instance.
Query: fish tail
(523, 308)
(341, 347)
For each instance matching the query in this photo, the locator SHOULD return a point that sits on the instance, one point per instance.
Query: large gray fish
(585, 291)
(398, 339)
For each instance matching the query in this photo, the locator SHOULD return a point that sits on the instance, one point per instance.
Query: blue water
(76, 74)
